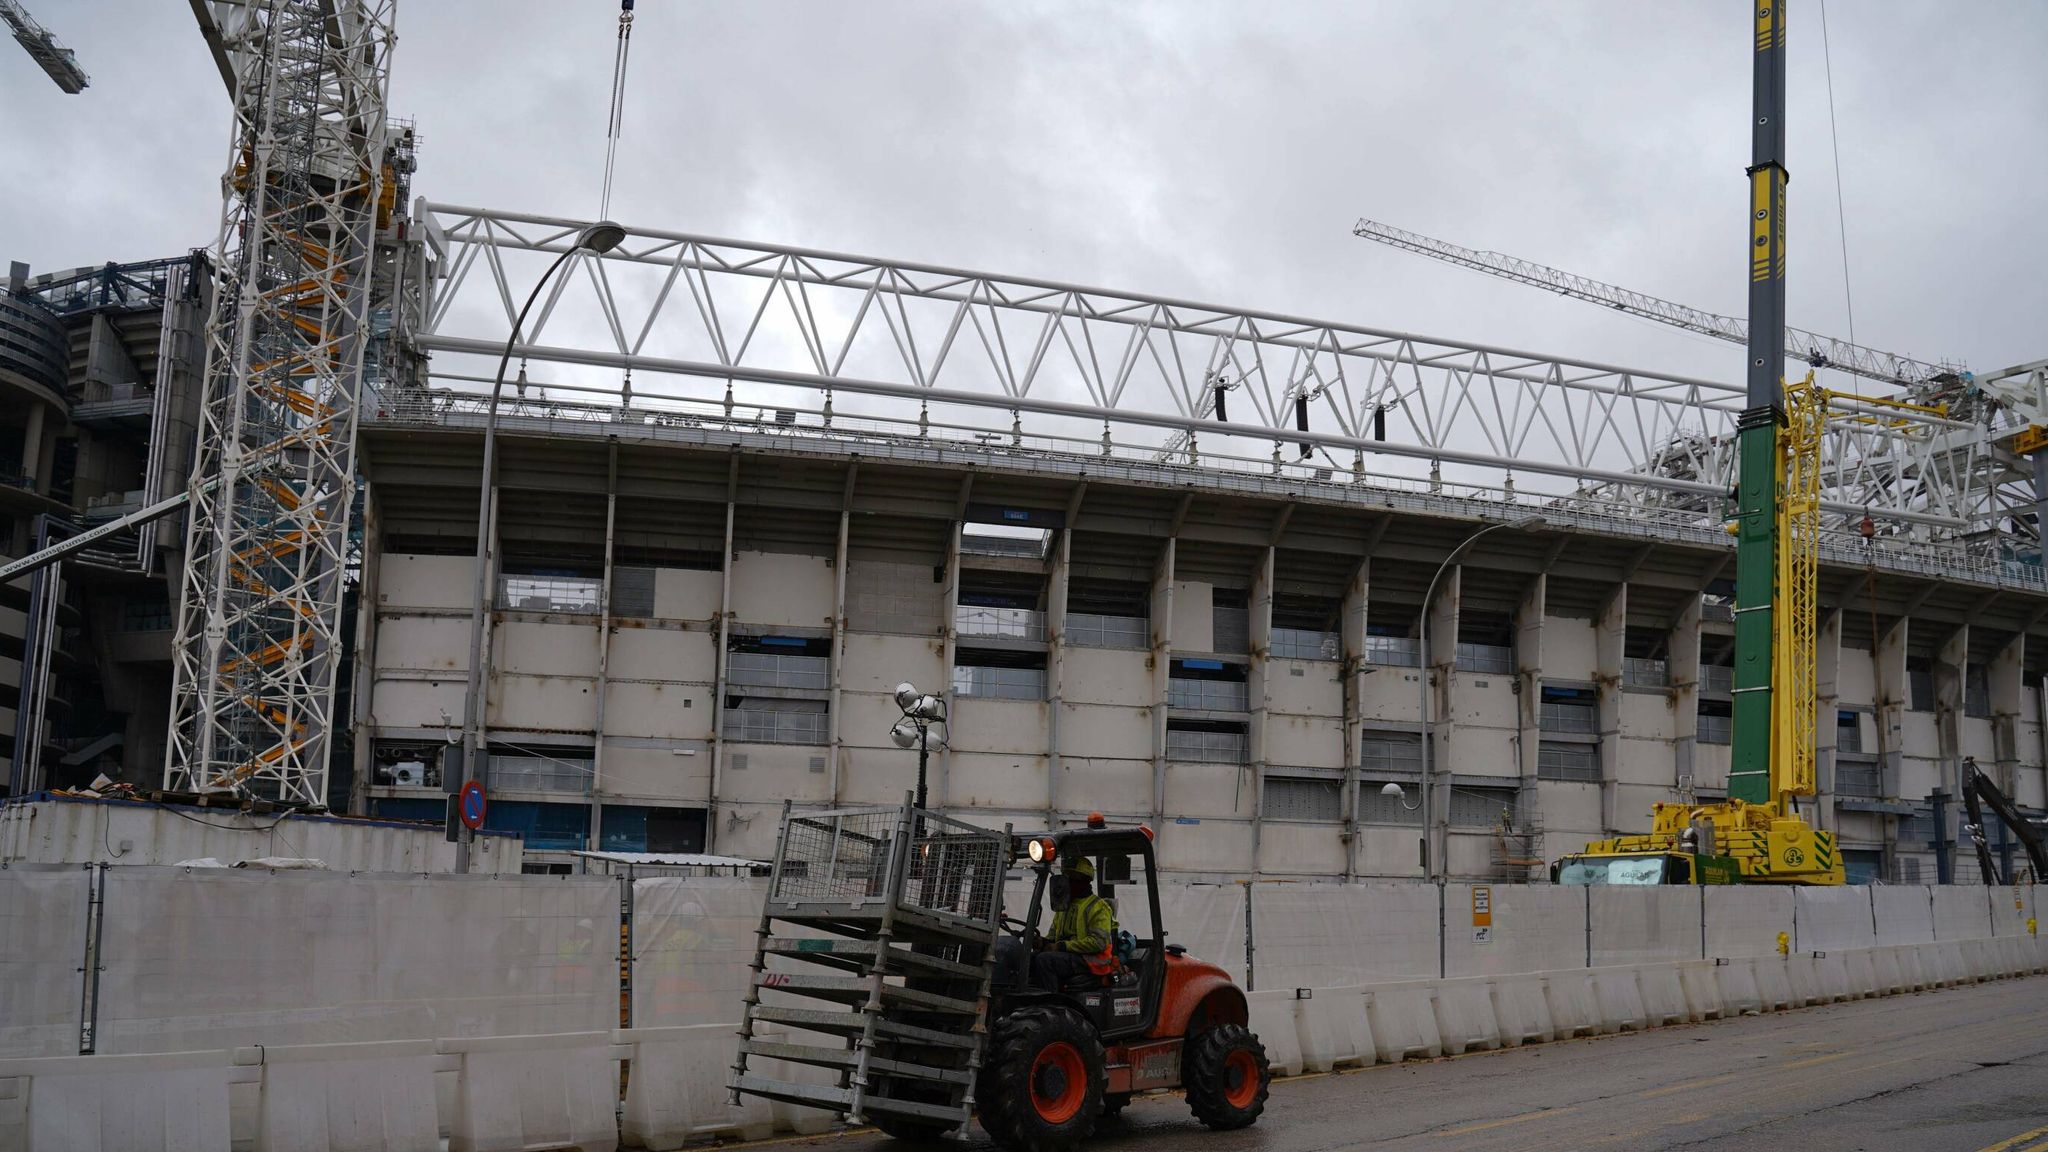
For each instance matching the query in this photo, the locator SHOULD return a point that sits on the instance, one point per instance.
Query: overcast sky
(1219, 151)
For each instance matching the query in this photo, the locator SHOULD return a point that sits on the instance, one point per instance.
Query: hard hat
(1079, 866)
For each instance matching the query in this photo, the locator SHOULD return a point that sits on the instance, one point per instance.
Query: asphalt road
(1961, 1070)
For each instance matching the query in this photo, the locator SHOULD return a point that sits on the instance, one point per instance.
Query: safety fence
(489, 1010)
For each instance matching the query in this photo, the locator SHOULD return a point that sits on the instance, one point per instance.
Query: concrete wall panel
(678, 711)
(787, 588)
(662, 654)
(543, 704)
(1113, 787)
(1308, 741)
(1004, 726)
(686, 593)
(1305, 687)
(1194, 624)
(681, 772)
(405, 581)
(995, 781)
(546, 649)
(1107, 676)
(436, 643)
(1105, 730)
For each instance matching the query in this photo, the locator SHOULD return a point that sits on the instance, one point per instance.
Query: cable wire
(1835, 143)
(616, 115)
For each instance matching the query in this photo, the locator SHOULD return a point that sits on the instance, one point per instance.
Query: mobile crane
(1757, 836)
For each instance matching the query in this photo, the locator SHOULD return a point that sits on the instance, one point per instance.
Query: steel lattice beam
(258, 633)
(695, 314)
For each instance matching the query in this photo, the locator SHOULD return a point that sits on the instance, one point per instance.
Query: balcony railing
(1571, 718)
(769, 726)
(999, 683)
(1717, 729)
(1643, 672)
(1490, 658)
(548, 593)
(535, 774)
(1304, 644)
(1717, 678)
(1208, 695)
(777, 670)
(1860, 780)
(1003, 623)
(1393, 651)
(1088, 630)
(1208, 747)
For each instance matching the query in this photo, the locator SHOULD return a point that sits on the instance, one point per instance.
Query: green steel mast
(1760, 462)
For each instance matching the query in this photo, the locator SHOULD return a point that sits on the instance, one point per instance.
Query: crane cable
(617, 114)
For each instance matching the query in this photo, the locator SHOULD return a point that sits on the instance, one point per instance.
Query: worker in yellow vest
(1083, 930)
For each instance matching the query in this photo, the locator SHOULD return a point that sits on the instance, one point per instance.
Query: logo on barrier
(1794, 857)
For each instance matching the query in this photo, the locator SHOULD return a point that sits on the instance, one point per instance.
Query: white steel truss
(258, 633)
(1131, 375)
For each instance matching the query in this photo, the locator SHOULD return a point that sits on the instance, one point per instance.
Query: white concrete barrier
(1522, 1011)
(1916, 965)
(373, 1097)
(1889, 971)
(1333, 1029)
(1736, 980)
(163, 1102)
(1804, 980)
(1574, 1009)
(1864, 980)
(1703, 990)
(522, 1092)
(675, 1091)
(1273, 1019)
(1773, 983)
(1663, 995)
(1619, 997)
(1831, 969)
(1403, 1020)
(1464, 1016)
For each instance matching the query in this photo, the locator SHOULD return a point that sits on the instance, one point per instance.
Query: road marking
(1810, 1062)
(2022, 1138)
(1536, 1115)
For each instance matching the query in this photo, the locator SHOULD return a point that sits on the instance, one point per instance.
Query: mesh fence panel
(836, 857)
(956, 868)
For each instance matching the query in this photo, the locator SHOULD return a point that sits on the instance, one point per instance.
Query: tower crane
(60, 62)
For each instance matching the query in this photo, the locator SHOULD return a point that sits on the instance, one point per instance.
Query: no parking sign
(471, 805)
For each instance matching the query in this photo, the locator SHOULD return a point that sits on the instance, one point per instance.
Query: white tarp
(1745, 921)
(1643, 925)
(1833, 919)
(1536, 927)
(2011, 906)
(1336, 935)
(42, 948)
(693, 937)
(221, 958)
(1903, 915)
(1962, 912)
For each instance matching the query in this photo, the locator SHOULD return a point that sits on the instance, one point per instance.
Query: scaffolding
(259, 624)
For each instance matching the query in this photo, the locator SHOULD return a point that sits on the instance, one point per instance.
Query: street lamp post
(920, 711)
(1431, 866)
(600, 237)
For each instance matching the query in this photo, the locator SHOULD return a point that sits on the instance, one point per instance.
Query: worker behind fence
(1083, 930)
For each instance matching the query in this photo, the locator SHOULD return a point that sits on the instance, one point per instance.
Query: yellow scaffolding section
(1797, 613)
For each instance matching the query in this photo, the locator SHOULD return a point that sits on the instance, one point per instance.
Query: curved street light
(598, 238)
(1431, 866)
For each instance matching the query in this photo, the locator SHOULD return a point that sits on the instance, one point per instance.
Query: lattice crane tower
(258, 635)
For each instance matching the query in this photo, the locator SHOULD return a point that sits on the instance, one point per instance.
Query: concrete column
(1893, 694)
(1354, 669)
(1949, 660)
(1057, 590)
(1162, 667)
(1684, 662)
(948, 646)
(1529, 707)
(719, 659)
(1261, 629)
(1438, 727)
(1827, 655)
(1610, 632)
(2008, 704)
(32, 446)
(363, 675)
(604, 643)
(835, 752)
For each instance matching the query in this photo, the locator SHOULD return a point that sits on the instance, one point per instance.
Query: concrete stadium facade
(692, 622)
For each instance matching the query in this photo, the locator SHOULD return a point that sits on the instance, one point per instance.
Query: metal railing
(1717, 678)
(772, 726)
(1865, 781)
(1002, 623)
(1208, 695)
(1489, 658)
(1581, 719)
(1717, 729)
(999, 683)
(1230, 630)
(1644, 672)
(536, 774)
(577, 594)
(1393, 651)
(1208, 747)
(778, 670)
(1577, 762)
(1304, 644)
(855, 856)
(1089, 630)
(1026, 547)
